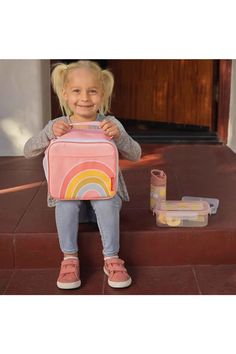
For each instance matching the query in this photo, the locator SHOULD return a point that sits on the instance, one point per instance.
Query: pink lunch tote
(82, 164)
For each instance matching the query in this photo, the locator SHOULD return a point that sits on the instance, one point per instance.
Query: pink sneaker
(69, 277)
(116, 272)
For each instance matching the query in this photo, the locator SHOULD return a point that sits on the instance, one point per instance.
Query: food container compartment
(174, 213)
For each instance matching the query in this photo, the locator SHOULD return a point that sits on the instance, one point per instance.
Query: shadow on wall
(13, 136)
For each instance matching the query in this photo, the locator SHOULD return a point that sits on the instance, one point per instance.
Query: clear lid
(181, 207)
(213, 202)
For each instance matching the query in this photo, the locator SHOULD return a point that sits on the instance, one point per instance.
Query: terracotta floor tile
(41, 197)
(20, 178)
(43, 282)
(90, 249)
(41, 220)
(137, 219)
(180, 246)
(16, 193)
(21, 163)
(6, 251)
(158, 281)
(217, 279)
(36, 250)
(5, 276)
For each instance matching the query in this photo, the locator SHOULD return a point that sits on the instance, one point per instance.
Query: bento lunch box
(179, 213)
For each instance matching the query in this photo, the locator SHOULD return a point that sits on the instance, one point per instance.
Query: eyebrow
(88, 88)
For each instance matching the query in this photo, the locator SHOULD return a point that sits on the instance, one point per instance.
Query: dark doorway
(167, 100)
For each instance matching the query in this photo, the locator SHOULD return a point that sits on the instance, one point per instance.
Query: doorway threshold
(165, 133)
(176, 138)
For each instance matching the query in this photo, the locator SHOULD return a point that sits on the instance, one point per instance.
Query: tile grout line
(28, 207)
(103, 285)
(9, 281)
(13, 250)
(196, 280)
(19, 221)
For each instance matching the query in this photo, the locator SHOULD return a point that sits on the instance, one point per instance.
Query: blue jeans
(105, 212)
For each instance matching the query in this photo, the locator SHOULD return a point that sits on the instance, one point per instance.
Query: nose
(84, 96)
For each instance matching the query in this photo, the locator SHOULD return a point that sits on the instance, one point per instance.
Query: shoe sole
(68, 286)
(116, 284)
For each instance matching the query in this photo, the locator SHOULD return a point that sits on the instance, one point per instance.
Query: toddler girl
(84, 91)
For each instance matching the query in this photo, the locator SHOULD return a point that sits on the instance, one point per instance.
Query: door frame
(225, 69)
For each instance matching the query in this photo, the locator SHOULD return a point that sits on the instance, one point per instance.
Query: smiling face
(83, 94)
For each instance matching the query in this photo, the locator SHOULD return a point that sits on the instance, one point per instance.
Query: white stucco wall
(24, 102)
(231, 142)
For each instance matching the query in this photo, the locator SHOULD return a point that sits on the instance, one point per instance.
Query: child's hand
(110, 129)
(60, 127)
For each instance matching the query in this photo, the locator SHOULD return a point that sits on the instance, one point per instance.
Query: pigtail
(58, 79)
(108, 84)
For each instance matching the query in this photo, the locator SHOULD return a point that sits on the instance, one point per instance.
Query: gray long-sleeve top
(127, 147)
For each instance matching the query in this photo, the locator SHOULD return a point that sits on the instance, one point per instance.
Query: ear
(64, 94)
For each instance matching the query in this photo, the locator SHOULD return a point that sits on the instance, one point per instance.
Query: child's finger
(110, 129)
(106, 125)
(60, 128)
(66, 127)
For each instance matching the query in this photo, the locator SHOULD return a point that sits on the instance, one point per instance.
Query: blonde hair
(60, 74)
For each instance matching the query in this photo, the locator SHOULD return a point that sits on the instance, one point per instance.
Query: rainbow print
(88, 180)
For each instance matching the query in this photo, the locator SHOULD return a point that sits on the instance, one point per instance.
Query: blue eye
(93, 92)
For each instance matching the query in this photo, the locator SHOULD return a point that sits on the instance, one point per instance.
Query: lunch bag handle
(86, 125)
